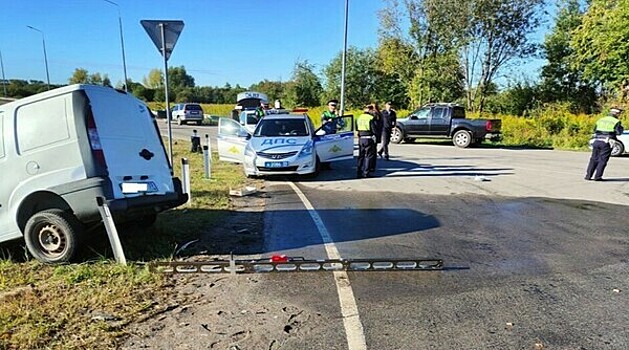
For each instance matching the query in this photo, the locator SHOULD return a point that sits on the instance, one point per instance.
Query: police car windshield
(281, 127)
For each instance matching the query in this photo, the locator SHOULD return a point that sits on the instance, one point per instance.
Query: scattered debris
(616, 290)
(184, 246)
(481, 178)
(539, 346)
(103, 316)
(248, 190)
(509, 325)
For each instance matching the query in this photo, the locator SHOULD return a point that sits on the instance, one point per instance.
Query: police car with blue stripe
(285, 144)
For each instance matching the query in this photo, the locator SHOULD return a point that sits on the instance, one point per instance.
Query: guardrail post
(209, 148)
(112, 233)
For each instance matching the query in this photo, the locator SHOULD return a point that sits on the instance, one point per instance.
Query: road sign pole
(168, 116)
(164, 35)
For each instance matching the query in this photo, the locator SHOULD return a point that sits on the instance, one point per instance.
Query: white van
(61, 149)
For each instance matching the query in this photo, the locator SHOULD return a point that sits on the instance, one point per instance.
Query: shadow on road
(346, 170)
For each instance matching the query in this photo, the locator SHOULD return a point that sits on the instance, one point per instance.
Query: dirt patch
(209, 311)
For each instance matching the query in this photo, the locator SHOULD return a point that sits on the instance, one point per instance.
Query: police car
(284, 144)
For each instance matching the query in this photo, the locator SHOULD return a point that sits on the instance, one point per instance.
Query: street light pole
(344, 60)
(43, 40)
(4, 80)
(124, 61)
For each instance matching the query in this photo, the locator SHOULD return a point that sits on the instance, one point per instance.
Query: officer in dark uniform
(366, 142)
(606, 129)
(389, 118)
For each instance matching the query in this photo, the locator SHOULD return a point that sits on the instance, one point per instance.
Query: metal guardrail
(285, 264)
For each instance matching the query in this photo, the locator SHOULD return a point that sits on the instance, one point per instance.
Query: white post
(209, 152)
(206, 161)
(185, 178)
(110, 227)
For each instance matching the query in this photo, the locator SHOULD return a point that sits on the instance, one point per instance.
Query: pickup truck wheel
(462, 139)
(397, 135)
(52, 236)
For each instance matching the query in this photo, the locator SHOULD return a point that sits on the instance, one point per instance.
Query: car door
(232, 139)
(439, 121)
(417, 123)
(339, 145)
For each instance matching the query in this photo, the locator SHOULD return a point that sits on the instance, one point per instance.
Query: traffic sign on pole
(165, 43)
(164, 35)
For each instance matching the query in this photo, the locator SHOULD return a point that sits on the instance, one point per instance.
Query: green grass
(53, 307)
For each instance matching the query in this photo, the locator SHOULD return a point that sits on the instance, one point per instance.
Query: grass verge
(88, 305)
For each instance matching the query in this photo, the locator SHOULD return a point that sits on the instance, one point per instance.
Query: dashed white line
(351, 319)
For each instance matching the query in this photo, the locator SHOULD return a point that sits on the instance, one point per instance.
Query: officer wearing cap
(366, 142)
(605, 131)
(261, 110)
(329, 118)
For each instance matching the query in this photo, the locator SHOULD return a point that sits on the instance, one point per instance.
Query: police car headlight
(249, 152)
(306, 151)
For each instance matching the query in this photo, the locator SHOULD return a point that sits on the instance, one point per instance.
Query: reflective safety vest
(606, 124)
(363, 123)
(328, 115)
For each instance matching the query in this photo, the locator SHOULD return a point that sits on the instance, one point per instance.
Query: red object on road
(279, 258)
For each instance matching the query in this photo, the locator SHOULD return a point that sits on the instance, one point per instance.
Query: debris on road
(481, 178)
(248, 190)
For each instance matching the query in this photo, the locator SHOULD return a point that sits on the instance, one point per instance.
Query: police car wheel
(52, 236)
(617, 149)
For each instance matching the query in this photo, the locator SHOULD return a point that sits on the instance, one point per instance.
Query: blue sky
(236, 41)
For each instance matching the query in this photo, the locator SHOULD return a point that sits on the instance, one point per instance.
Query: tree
(179, 78)
(80, 76)
(95, 79)
(106, 81)
(305, 88)
(601, 43)
(484, 34)
(561, 81)
(154, 80)
(273, 89)
(361, 77)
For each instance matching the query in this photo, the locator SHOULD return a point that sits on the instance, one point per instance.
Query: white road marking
(351, 319)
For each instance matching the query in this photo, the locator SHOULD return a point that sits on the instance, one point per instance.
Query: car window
(193, 108)
(439, 113)
(422, 113)
(282, 127)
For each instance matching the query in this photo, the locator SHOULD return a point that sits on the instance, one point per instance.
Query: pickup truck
(440, 120)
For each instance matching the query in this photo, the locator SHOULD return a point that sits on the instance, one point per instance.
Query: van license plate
(138, 187)
(275, 164)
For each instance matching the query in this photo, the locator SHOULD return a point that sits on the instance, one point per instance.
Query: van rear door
(134, 154)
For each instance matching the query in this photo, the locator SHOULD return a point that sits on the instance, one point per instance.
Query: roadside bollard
(112, 232)
(196, 142)
(185, 178)
(206, 161)
(209, 151)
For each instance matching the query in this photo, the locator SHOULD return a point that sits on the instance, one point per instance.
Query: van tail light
(95, 145)
(488, 125)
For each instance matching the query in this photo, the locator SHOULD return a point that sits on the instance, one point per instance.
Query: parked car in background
(446, 120)
(183, 113)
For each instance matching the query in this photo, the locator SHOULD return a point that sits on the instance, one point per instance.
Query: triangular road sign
(172, 29)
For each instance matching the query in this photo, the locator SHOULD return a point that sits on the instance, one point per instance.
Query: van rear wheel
(52, 236)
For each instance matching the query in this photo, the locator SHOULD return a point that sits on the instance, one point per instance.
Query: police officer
(329, 118)
(389, 118)
(261, 110)
(366, 142)
(606, 130)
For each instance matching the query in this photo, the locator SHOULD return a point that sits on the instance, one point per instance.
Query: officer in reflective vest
(605, 132)
(366, 142)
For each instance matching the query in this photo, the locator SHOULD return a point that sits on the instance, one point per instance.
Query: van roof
(60, 91)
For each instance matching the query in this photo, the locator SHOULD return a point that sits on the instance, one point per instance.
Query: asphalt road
(184, 132)
(548, 252)
(545, 253)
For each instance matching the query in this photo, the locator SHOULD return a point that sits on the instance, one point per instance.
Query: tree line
(444, 51)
